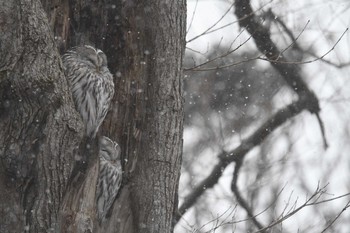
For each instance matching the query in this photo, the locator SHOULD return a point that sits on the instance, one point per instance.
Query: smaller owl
(91, 84)
(110, 176)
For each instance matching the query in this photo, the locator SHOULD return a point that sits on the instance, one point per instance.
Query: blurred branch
(263, 41)
(307, 101)
(323, 133)
(242, 202)
(289, 72)
(274, 18)
(238, 154)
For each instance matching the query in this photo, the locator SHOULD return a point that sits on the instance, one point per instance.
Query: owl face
(94, 58)
(109, 149)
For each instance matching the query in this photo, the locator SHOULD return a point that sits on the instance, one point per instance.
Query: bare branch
(212, 26)
(311, 201)
(320, 122)
(335, 219)
(272, 16)
(221, 67)
(222, 55)
(265, 58)
(261, 35)
(238, 154)
(294, 42)
(307, 101)
(211, 30)
(192, 18)
(242, 202)
(321, 58)
(217, 222)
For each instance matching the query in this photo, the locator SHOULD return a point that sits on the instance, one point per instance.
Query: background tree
(253, 158)
(42, 133)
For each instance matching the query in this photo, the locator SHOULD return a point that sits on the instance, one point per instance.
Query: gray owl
(110, 176)
(91, 84)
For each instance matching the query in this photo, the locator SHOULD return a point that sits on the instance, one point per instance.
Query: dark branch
(290, 72)
(323, 132)
(242, 202)
(237, 155)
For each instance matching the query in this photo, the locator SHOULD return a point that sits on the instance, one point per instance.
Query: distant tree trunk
(42, 132)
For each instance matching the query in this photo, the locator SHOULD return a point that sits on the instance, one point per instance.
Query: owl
(91, 85)
(110, 176)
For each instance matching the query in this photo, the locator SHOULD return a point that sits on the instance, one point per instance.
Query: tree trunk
(148, 114)
(40, 130)
(144, 44)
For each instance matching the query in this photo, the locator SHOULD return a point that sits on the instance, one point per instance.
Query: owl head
(109, 149)
(92, 57)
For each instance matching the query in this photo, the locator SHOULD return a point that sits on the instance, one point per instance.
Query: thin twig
(261, 35)
(312, 201)
(238, 154)
(209, 28)
(192, 18)
(217, 218)
(294, 41)
(221, 56)
(271, 15)
(276, 60)
(336, 218)
(280, 61)
(221, 67)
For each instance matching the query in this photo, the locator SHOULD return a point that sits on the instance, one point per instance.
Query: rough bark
(144, 44)
(149, 111)
(40, 130)
(78, 210)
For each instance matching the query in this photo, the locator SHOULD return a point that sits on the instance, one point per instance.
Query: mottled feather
(110, 176)
(91, 84)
